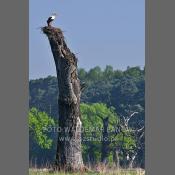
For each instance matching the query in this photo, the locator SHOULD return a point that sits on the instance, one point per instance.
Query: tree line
(111, 99)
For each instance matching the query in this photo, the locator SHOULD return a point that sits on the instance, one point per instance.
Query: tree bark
(116, 158)
(105, 141)
(69, 154)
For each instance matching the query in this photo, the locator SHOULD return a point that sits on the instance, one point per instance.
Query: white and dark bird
(51, 18)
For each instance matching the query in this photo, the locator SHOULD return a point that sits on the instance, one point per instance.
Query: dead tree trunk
(69, 154)
(116, 158)
(105, 141)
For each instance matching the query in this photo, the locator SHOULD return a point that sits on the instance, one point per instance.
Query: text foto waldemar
(87, 129)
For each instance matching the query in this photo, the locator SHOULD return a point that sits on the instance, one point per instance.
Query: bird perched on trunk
(51, 18)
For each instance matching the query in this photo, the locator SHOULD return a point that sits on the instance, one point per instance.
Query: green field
(111, 172)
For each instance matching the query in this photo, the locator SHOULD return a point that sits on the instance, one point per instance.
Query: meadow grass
(109, 172)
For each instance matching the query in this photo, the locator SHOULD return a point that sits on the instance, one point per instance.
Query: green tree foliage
(92, 114)
(121, 89)
(39, 122)
(92, 119)
(43, 95)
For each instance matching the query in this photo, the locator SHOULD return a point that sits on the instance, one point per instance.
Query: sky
(99, 32)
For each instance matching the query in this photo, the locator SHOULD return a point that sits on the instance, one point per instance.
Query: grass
(109, 172)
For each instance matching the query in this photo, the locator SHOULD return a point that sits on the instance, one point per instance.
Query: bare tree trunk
(105, 141)
(116, 157)
(69, 154)
(132, 160)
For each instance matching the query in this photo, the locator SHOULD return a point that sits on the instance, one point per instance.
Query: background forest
(112, 99)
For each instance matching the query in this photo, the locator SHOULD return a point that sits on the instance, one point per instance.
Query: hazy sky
(100, 32)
